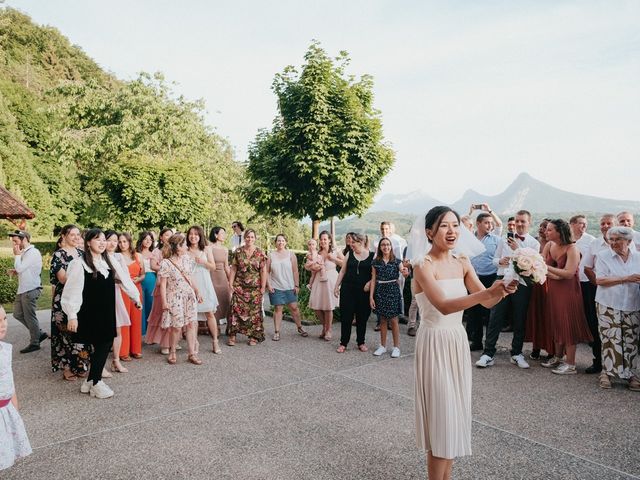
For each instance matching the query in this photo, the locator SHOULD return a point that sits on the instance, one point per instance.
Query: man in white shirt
(588, 263)
(625, 219)
(519, 301)
(578, 225)
(237, 239)
(28, 266)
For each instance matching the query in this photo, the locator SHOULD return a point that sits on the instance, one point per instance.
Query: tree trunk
(315, 227)
(333, 229)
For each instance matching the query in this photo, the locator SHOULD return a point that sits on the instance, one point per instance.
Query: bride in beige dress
(442, 358)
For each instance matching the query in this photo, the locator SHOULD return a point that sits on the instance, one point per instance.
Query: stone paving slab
(295, 409)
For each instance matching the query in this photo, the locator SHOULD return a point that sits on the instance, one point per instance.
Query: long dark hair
(202, 241)
(379, 255)
(563, 230)
(64, 231)
(347, 247)
(141, 238)
(213, 235)
(132, 252)
(331, 247)
(88, 258)
(435, 216)
(162, 232)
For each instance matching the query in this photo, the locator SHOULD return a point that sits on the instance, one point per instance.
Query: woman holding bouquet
(564, 297)
(442, 358)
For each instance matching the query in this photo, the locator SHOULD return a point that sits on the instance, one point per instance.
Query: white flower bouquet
(527, 266)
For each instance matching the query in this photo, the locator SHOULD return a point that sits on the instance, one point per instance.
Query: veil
(418, 245)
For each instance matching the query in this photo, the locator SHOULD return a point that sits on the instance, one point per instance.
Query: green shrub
(8, 285)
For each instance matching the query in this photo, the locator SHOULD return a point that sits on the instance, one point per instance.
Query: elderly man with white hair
(618, 305)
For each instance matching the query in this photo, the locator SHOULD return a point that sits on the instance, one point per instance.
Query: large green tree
(325, 155)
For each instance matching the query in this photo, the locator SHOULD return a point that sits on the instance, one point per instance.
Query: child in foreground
(14, 442)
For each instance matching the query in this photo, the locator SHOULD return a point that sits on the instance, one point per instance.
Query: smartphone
(510, 235)
(477, 206)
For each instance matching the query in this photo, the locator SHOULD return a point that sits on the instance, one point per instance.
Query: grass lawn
(44, 302)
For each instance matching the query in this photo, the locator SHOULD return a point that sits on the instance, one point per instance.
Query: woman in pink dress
(322, 300)
(155, 333)
(564, 299)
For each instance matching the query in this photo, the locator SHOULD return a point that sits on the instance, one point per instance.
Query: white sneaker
(519, 360)
(380, 351)
(565, 369)
(101, 390)
(395, 353)
(85, 386)
(552, 362)
(485, 361)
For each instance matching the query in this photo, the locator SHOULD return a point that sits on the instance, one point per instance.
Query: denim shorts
(283, 297)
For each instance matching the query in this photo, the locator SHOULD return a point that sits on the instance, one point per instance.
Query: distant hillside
(536, 196)
(524, 192)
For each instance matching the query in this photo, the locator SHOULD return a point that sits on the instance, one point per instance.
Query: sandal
(327, 337)
(341, 349)
(137, 356)
(125, 359)
(118, 368)
(322, 335)
(605, 382)
(193, 358)
(216, 347)
(302, 332)
(253, 342)
(363, 348)
(276, 337)
(171, 359)
(231, 341)
(68, 375)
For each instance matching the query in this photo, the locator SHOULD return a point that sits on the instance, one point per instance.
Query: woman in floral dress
(179, 297)
(72, 358)
(248, 280)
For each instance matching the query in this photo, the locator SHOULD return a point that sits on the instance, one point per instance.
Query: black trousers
(519, 302)
(478, 316)
(589, 302)
(98, 359)
(353, 301)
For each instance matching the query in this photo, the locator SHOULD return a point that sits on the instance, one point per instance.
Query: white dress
(202, 279)
(443, 378)
(14, 442)
(122, 316)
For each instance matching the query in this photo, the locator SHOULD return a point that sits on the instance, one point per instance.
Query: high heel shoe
(116, 368)
(171, 359)
(216, 347)
(193, 358)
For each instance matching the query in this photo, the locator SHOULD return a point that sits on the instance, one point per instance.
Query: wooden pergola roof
(11, 208)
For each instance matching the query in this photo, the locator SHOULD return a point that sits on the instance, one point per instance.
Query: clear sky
(471, 92)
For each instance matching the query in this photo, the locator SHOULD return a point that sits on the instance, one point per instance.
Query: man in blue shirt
(486, 270)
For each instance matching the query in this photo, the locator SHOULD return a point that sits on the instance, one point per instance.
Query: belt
(386, 281)
(4, 403)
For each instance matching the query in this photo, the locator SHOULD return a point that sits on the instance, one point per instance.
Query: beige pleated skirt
(443, 390)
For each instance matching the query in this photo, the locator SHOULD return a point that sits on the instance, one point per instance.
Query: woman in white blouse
(89, 300)
(617, 272)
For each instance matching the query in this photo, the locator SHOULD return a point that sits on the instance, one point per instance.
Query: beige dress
(221, 283)
(443, 378)
(322, 296)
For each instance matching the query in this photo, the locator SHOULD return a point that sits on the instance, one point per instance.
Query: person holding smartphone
(519, 301)
(485, 208)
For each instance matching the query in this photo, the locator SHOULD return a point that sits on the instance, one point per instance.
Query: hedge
(8, 284)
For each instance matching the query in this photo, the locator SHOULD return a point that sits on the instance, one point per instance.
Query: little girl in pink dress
(14, 442)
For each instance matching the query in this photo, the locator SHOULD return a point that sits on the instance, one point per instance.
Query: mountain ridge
(524, 192)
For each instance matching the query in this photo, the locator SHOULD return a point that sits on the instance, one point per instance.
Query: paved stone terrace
(295, 409)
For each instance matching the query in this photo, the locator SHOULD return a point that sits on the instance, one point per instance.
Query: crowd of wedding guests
(165, 287)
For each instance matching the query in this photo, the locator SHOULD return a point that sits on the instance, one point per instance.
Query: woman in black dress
(89, 300)
(353, 287)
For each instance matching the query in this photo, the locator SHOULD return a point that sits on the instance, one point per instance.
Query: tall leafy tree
(325, 155)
